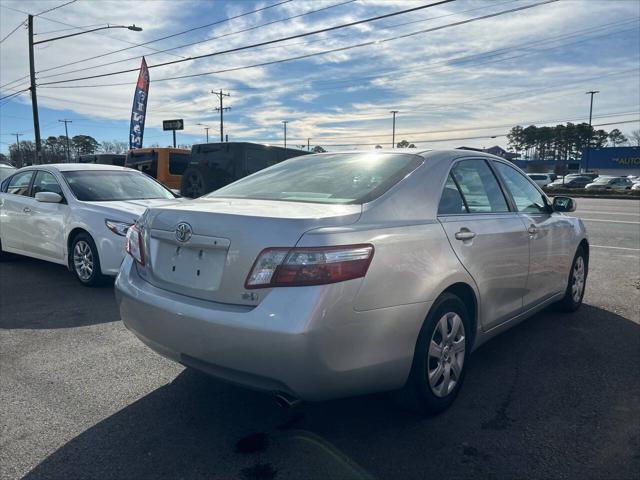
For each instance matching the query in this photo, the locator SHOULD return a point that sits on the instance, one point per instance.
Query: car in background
(570, 182)
(214, 165)
(610, 183)
(6, 170)
(103, 159)
(75, 214)
(542, 179)
(167, 165)
(342, 274)
(635, 186)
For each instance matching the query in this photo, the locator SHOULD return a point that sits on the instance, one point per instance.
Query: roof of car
(70, 167)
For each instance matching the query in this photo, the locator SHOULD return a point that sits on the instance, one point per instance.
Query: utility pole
(284, 122)
(221, 109)
(66, 133)
(592, 93)
(206, 129)
(20, 157)
(34, 97)
(393, 135)
(308, 144)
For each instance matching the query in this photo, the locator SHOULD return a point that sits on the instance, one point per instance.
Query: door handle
(532, 230)
(465, 234)
(26, 210)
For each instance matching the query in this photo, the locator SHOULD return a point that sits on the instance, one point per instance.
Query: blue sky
(459, 85)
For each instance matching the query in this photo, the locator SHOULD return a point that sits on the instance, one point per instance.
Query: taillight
(291, 267)
(135, 243)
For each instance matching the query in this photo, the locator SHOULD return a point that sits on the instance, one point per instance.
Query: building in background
(619, 161)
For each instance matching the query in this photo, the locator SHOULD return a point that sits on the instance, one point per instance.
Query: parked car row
(588, 181)
(318, 277)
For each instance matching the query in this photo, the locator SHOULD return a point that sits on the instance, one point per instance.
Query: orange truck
(164, 164)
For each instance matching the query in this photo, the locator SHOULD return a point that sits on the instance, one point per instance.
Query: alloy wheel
(445, 357)
(577, 285)
(83, 260)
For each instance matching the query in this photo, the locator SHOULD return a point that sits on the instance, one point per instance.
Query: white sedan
(75, 214)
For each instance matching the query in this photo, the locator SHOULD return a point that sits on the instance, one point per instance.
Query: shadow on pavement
(555, 397)
(37, 294)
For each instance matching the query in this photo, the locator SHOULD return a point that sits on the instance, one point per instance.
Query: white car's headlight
(119, 228)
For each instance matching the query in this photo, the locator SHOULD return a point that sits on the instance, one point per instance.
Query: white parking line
(616, 248)
(609, 221)
(608, 213)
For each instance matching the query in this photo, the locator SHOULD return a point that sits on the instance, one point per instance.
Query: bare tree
(634, 137)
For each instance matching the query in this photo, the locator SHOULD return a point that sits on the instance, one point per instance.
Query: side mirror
(48, 197)
(564, 204)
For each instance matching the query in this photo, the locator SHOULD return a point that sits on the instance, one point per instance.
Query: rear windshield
(106, 185)
(146, 162)
(333, 178)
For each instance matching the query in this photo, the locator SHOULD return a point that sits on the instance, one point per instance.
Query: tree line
(54, 149)
(562, 142)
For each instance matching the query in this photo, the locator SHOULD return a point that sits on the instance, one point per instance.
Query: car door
(44, 226)
(549, 236)
(15, 208)
(488, 238)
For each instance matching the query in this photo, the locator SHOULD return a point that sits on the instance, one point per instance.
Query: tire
(195, 182)
(577, 283)
(84, 261)
(431, 396)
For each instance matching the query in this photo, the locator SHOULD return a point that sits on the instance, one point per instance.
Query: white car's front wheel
(85, 261)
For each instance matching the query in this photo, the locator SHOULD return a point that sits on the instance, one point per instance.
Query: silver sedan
(342, 274)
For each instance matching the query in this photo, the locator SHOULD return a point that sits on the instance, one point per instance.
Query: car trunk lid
(206, 248)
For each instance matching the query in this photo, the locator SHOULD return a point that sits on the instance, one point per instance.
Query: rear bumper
(308, 342)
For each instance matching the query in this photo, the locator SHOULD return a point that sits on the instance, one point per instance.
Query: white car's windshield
(333, 178)
(108, 185)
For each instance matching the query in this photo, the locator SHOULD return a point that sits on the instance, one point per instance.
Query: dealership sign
(173, 124)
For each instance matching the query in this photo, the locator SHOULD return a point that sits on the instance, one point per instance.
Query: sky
(465, 84)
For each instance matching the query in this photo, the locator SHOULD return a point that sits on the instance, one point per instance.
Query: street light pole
(592, 93)
(32, 75)
(393, 135)
(284, 122)
(66, 133)
(206, 129)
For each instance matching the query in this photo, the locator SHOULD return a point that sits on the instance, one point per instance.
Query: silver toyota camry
(341, 274)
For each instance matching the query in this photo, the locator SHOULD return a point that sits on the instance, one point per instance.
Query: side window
(451, 202)
(178, 163)
(525, 195)
(480, 189)
(45, 182)
(19, 183)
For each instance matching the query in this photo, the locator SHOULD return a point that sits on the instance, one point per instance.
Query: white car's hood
(129, 209)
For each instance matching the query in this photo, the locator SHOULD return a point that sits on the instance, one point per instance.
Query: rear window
(146, 162)
(332, 178)
(178, 162)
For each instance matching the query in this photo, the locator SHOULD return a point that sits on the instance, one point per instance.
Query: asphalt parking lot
(556, 397)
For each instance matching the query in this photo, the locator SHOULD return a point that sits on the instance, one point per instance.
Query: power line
(79, 28)
(13, 31)
(55, 8)
(168, 36)
(13, 94)
(255, 27)
(299, 57)
(269, 42)
(429, 65)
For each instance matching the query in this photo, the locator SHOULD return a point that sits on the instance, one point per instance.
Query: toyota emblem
(183, 232)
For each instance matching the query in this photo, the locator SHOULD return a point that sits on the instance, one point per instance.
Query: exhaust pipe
(285, 400)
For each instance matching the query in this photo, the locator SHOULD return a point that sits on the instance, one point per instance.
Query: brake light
(292, 267)
(135, 244)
